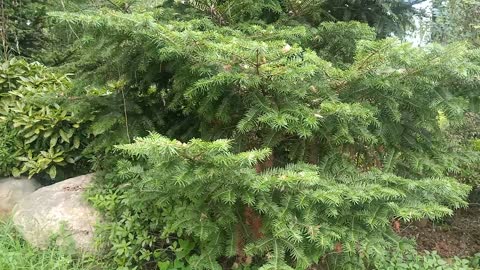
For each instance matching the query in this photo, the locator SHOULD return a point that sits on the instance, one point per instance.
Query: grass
(16, 254)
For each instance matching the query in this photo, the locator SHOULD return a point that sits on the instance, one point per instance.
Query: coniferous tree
(219, 206)
(276, 93)
(363, 112)
(387, 17)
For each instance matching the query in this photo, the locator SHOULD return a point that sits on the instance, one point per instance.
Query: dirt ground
(457, 236)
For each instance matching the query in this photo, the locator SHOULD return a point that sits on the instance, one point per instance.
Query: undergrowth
(411, 260)
(16, 254)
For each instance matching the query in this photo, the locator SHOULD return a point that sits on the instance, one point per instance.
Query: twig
(257, 65)
(69, 25)
(125, 9)
(125, 113)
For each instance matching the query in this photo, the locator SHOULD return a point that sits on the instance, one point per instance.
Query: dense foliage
(456, 20)
(47, 125)
(309, 132)
(263, 86)
(430, 260)
(37, 135)
(22, 24)
(364, 115)
(283, 218)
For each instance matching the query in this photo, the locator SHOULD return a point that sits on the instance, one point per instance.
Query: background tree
(23, 24)
(387, 17)
(456, 20)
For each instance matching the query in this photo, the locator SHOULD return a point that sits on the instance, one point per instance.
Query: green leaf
(58, 160)
(52, 172)
(48, 133)
(31, 139)
(53, 140)
(16, 172)
(163, 265)
(64, 136)
(24, 159)
(76, 142)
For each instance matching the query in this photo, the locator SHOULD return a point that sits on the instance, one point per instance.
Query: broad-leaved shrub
(38, 133)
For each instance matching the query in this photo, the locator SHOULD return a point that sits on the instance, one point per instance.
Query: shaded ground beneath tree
(456, 236)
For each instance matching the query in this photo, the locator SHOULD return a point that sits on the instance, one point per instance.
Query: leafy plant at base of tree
(48, 124)
(411, 260)
(281, 218)
(39, 134)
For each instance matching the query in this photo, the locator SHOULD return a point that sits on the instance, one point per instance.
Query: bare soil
(456, 236)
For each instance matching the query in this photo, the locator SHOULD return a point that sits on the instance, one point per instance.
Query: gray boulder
(61, 210)
(12, 191)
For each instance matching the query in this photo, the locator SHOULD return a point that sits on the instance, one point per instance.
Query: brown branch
(257, 65)
(125, 114)
(117, 6)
